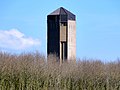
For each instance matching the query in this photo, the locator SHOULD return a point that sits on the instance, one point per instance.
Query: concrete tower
(61, 34)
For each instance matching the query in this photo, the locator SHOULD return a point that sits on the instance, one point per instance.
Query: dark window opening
(63, 50)
(63, 24)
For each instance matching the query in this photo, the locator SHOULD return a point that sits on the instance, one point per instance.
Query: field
(31, 71)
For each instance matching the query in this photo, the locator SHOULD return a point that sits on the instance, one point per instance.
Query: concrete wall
(63, 39)
(71, 39)
(53, 35)
(63, 33)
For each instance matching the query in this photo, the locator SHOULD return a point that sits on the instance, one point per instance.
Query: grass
(31, 71)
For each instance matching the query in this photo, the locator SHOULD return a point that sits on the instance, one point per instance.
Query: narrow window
(64, 50)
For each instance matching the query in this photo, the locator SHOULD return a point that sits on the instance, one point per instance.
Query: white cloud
(15, 40)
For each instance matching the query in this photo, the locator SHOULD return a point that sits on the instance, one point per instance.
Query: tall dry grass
(31, 71)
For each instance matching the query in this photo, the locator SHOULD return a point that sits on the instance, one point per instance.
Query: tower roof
(63, 11)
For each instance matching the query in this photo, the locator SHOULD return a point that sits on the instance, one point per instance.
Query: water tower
(61, 34)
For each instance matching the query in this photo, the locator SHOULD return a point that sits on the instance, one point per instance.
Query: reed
(31, 71)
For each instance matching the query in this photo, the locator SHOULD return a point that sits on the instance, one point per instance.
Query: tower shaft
(61, 34)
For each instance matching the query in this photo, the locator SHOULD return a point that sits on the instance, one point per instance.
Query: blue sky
(23, 26)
